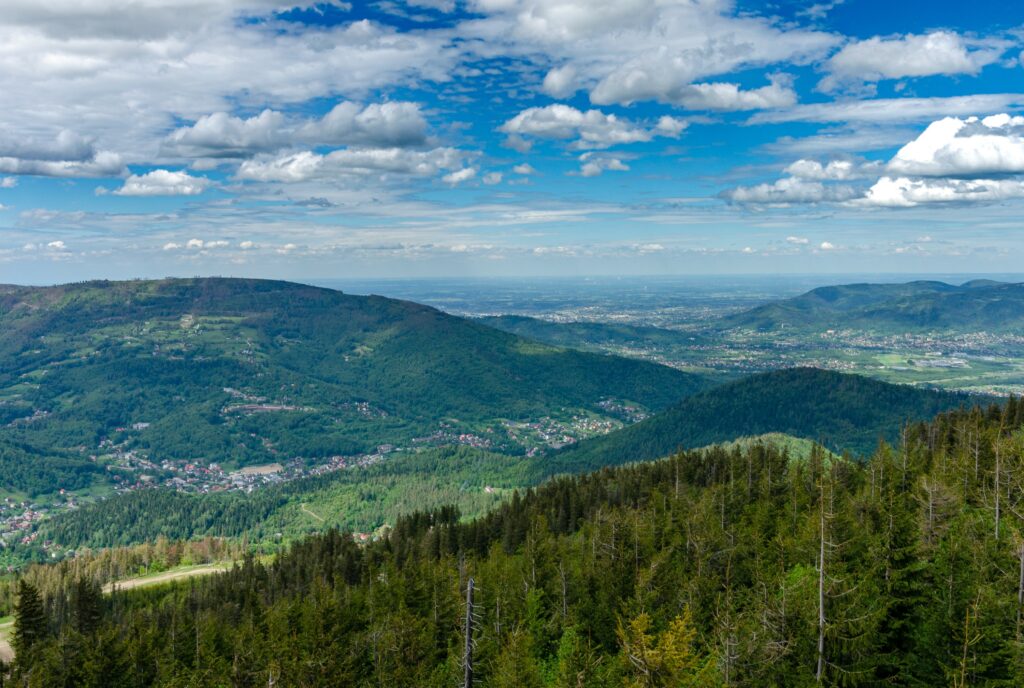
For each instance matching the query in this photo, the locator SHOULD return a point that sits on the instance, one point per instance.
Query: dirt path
(204, 570)
(6, 653)
(319, 518)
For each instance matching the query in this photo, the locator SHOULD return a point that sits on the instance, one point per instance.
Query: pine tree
(30, 624)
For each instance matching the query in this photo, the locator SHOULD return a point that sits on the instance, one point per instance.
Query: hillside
(978, 305)
(843, 412)
(590, 335)
(712, 568)
(249, 371)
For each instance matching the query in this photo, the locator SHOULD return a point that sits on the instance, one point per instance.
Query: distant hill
(589, 335)
(978, 305)
(843, 412)
(244, 371)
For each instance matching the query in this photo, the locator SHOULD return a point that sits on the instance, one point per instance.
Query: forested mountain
(246, 371)
(712, 568)
(978, 305)
(592, 335)
(843, 412)
(846, 412)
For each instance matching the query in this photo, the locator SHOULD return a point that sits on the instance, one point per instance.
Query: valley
(227, 391)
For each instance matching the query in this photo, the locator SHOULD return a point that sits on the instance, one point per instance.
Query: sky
(477, 138)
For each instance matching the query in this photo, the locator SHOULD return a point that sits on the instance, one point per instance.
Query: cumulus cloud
(798, 240)
(163, 183)
(305, 165)
(99, 164)
(672, 127)
(724, 97)
(459, 176)
(827, 246)
(560, 82)
(222, 135)
(8, 182)
(67, 62)
(964, 147)
(833, 170)
(633, 50)
(591, 129)
(790, 190)
(492, 178)
(593, 164)
(524, 168)
(939, 52)
(904, 192)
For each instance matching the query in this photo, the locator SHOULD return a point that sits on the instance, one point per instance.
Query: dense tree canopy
(742, 567)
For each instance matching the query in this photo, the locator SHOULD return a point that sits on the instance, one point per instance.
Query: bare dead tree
(467, 658)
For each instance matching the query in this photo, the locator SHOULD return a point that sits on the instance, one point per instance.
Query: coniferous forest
(742, 567)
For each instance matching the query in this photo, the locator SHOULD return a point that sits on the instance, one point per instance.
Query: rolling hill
(979, 305)
(245, 371)
(590, 335)
(843, 412)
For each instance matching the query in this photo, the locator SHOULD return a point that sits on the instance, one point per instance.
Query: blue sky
(508, 137)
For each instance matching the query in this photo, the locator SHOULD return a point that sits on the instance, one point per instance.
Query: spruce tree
(30, 625)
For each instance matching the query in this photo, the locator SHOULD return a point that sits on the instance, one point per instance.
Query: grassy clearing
(178, 573)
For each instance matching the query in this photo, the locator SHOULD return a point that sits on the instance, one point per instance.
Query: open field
(168, 576)
(6, 629)
(266, 469)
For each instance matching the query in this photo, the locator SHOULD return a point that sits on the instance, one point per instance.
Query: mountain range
(250, 371)
(977, 305)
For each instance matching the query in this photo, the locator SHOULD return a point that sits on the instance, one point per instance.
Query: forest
(720, 567)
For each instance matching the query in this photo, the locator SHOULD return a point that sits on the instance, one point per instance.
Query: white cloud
(593, 165)
(171, 246)
(306, 165)
(560, 82)
(8, 182)
(964, 147)
(246, 245)
(790, 190)
(834, 170)
(492, 178)
(56, 245)
(672, 127)
(645, 249)
(890, 110)
(194, 244)
(633, 50)
(439, 5)
(223, 135)
(163, 183)
(904, 192)
(827, 246)
(726, 97)
(66, 145)
(130, 71)
(591, 129)
(459, 176)
(524, 168)
(798, 240)
(103, 164)
(939, 52)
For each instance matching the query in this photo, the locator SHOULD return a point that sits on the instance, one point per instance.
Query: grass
(173, 574)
